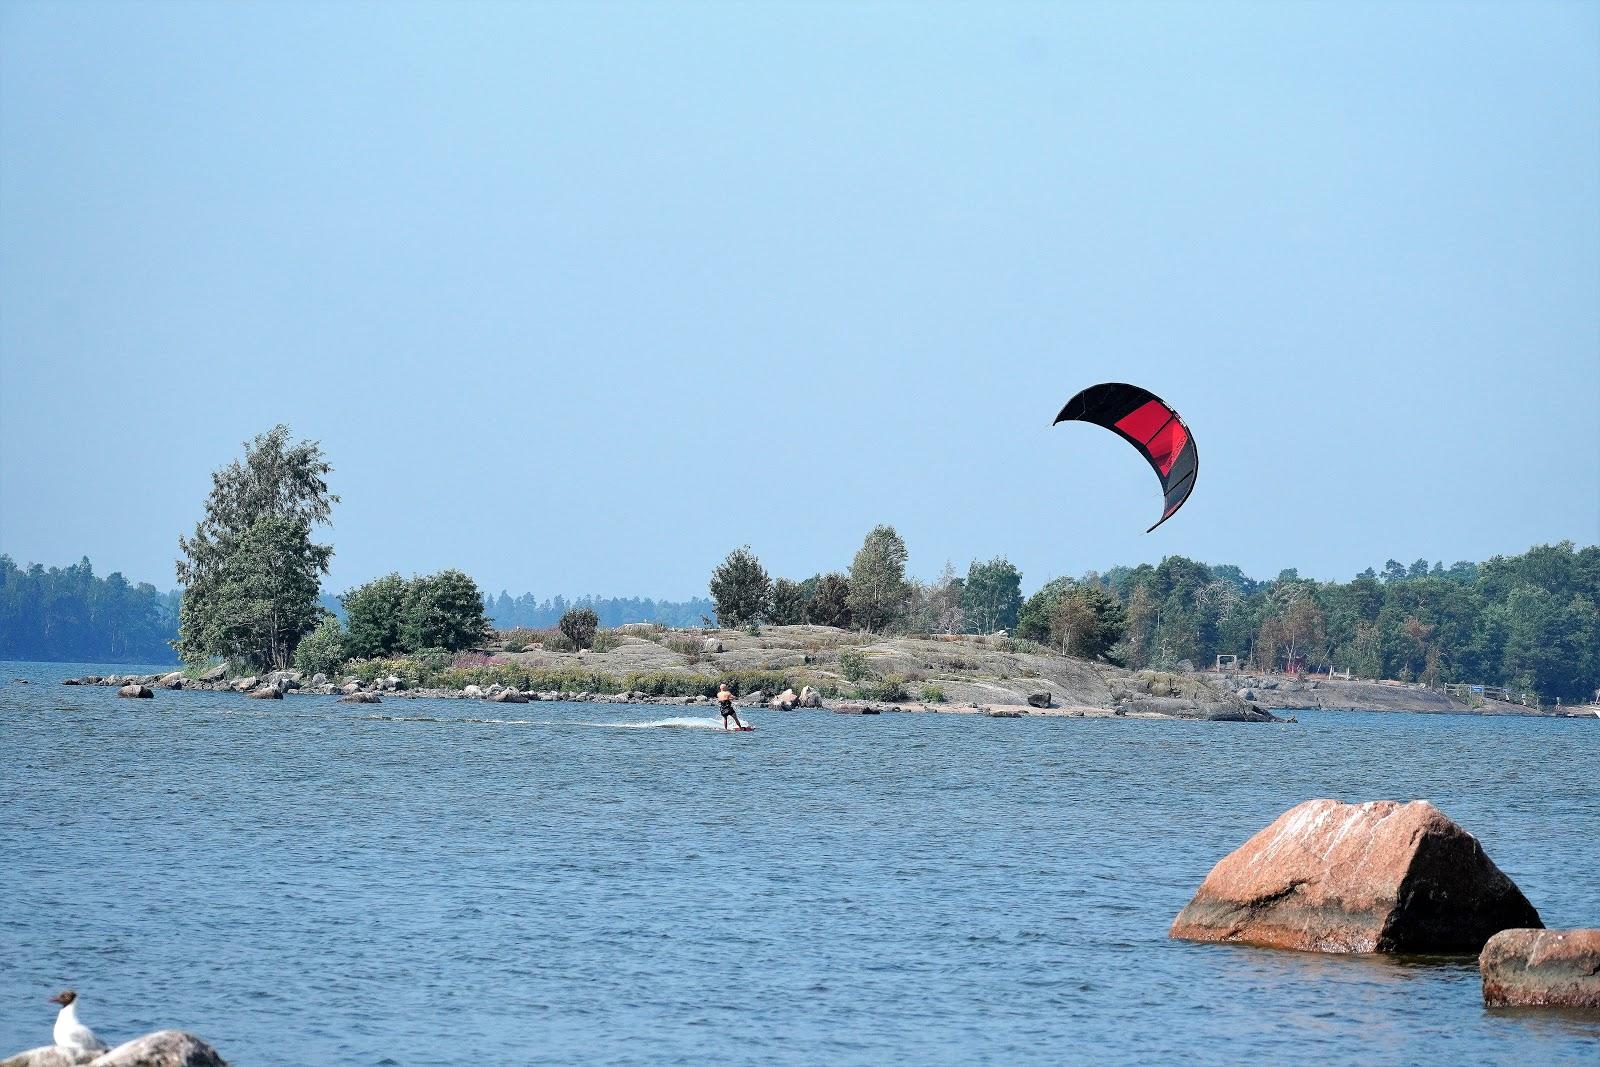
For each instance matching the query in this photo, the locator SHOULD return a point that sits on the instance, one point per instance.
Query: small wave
(655, 724)
(453, 721)
(661, 724)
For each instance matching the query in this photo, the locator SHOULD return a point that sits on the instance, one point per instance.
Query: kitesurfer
(725, 705)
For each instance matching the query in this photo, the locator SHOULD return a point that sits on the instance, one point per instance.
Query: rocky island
(843, 670)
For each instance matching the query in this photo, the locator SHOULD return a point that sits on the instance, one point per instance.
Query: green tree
(830, 604)
(1086, 621)
(444, 610)
(991, 597)
(788, 603)
(322, 650)
(375, 615)
(878, 589)
(741, 592)
(1033, 620)
(260, 601)
(579, 625)
(250, 572)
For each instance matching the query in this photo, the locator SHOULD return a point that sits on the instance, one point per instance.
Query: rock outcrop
(1376, 877)
(810, 698)
(164, 1048)
(266, 692)
(1039, 700)
(358, 697)
(1542, 968)
(134, 689)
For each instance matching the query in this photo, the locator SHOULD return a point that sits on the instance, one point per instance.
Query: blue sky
(578, 298)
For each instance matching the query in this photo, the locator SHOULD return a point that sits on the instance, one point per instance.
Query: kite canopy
(1147, 423)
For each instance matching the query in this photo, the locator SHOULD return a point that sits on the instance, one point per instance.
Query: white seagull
(69, 1032)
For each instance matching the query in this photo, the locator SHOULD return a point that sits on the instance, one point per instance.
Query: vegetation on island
(1529, 622)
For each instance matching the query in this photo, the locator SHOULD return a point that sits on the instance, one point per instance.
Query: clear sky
(577, 298)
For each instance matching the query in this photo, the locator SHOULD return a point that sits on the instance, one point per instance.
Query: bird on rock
(69, 1032)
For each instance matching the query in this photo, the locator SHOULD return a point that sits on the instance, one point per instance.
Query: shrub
(322, 650)
(683, 646)
(402, 667)
(605, 641)
(853, 664)
(933, 694)
(670, 684)
(892, 690)
(579, 626)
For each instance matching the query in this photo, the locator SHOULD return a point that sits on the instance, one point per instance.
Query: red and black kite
(1145, 421)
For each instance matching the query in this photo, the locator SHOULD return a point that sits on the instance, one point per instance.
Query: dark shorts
(727, 709)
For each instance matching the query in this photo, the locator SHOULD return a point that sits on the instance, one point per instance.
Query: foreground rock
(1542, 968)
(164, 1048)
(1376, 877)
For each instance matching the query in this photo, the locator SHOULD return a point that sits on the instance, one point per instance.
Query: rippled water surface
(434, 882)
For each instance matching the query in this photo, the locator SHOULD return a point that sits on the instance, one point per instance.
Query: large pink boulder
(1542, 968)
(1376, 877)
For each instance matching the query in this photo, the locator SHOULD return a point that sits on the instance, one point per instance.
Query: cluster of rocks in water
(1389, 877)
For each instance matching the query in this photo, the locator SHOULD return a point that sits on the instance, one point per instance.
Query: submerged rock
(267, 692)
(1542, 968)
(1376, 877)
(358, 697)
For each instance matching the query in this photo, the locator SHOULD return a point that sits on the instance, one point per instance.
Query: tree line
(251, 575)
(1530, 622)
(70, 613)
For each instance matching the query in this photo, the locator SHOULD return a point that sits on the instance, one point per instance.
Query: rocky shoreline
(277, 685)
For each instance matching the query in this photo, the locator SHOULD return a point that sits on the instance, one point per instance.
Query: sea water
(420, 882)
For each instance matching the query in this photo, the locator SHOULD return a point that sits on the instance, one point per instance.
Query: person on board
(725, 705)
